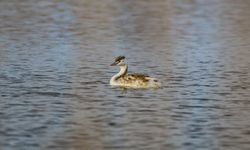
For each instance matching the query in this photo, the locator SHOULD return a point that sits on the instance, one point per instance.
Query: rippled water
(55, 56)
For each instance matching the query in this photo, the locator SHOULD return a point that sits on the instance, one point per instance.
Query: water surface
(54, 76)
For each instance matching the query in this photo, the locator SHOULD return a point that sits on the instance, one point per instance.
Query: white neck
(122, 72)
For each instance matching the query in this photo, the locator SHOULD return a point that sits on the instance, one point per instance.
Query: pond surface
(54, 75)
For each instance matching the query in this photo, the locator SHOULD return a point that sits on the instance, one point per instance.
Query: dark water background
(54, 74)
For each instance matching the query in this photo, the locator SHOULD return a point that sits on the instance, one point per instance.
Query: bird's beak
(113, 64)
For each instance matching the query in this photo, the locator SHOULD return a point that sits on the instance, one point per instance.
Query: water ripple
(54, 76)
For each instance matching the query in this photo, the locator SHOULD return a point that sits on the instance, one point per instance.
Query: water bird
(137, 80)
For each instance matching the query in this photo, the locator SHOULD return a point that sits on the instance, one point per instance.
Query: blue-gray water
(54, 74)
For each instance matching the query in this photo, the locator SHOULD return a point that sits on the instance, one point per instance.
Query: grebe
(122, 79)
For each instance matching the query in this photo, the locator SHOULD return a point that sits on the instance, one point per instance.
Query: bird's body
(123, 79)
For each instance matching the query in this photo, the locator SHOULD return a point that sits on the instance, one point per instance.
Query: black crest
(119, 58)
